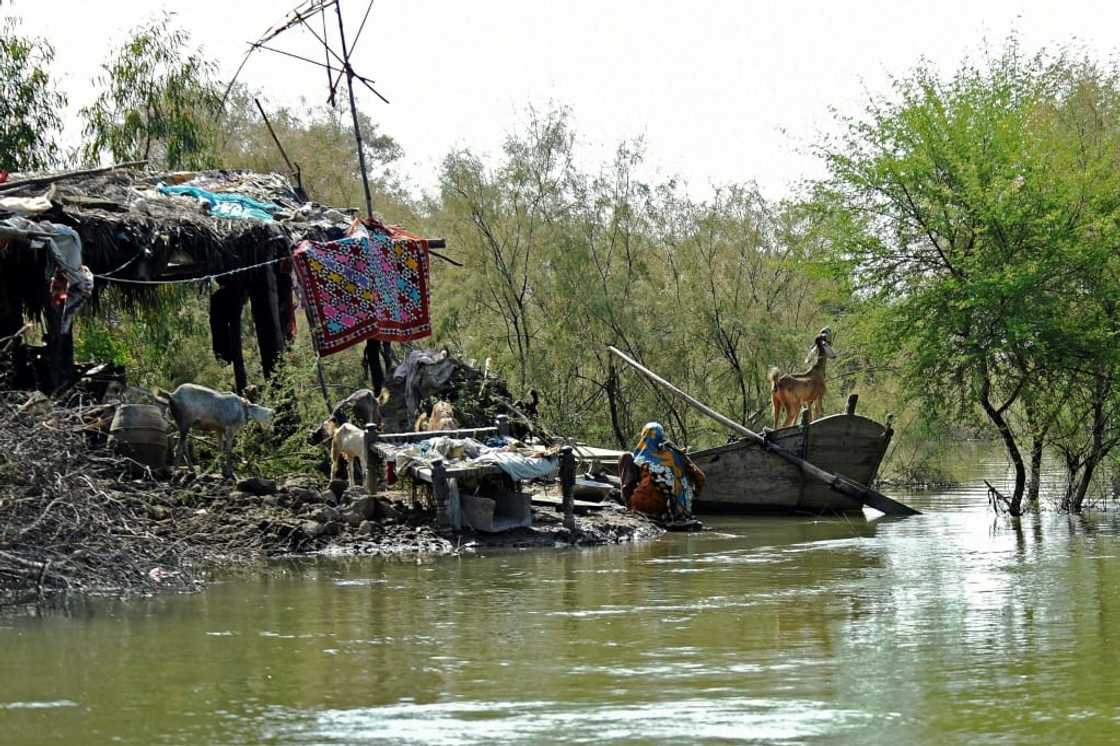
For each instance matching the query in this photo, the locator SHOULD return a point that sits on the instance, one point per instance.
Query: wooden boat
(793, 469)
(743, 477)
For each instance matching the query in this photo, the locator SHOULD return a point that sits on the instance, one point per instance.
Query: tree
(29, 102)
(510, 215)
(564, 263)
(157, 98)
(983, 212)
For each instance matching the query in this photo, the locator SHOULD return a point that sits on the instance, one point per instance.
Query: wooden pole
(837, 482)
(567, 486)
(441, 495)
(374, 462)
(806, 421)
(52, 178)
(323, 383)
(354, 109)
(275, 139)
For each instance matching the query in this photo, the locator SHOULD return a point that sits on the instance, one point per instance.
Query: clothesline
(206, 278)
(189, 280)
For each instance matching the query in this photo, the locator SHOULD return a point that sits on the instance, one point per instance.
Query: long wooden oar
(839, 483)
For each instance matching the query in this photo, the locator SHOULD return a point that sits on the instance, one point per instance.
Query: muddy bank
(76, 517)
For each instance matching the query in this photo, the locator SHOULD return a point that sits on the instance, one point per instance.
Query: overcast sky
(721, 91)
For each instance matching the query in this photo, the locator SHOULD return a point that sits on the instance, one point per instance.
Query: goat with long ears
(792, 391)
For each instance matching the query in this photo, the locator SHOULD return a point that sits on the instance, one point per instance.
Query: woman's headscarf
(666, 464)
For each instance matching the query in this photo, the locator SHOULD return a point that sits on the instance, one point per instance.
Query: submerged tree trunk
(995, 414)
(1097, 450)
(1035, 478)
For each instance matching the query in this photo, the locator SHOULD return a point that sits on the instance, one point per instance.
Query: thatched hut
(138, 230)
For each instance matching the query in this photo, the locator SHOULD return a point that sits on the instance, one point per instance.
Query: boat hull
(742, 477)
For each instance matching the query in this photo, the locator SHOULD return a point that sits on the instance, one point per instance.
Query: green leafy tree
(564, 262)
(157, 98)
(982, 212)
(30, 104)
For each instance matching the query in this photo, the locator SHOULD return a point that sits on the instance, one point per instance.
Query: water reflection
(952, 626)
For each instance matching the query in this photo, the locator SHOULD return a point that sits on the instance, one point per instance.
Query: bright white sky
(721, 91)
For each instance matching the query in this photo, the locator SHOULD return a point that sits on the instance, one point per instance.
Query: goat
(362, 407)
(793, 391)
(442, 418)
(348, 443)
(200, 408)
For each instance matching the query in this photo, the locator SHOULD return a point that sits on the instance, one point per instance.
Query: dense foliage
(563, 263)
(157, 97)
(981, 227)
(30, 102)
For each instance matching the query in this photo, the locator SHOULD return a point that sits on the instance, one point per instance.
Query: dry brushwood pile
(73, 516)
(67, 521)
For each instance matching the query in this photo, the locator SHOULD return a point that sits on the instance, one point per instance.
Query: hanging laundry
(371, 286)
(285, 288)
(226, 204)
(225, 321)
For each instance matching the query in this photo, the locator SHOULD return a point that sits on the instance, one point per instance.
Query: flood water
(952, 627)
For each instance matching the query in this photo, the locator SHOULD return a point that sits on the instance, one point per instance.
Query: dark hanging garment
(225, 328)
(225, 322)
(285, 291)
(265, 302)
(376, 353)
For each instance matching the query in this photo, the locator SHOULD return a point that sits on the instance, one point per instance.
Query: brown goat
(443, 417)
(793, 391)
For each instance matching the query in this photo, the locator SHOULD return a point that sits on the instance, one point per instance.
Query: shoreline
(159, 537)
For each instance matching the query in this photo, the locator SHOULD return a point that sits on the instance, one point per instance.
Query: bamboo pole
(837, 482)
(354, 111)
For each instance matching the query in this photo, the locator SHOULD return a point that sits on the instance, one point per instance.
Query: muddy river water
(952, 627)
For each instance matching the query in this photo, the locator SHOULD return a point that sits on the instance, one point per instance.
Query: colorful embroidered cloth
(370, 285)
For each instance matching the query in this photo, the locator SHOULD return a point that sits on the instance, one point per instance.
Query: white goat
(197, 407)
(348, 442)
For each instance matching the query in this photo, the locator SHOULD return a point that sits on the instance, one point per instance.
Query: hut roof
(130, 230)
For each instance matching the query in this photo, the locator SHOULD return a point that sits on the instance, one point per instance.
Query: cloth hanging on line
(370, 285)
(226, 204)
(225, 321)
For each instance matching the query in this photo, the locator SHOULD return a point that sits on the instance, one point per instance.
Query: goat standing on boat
(200, 408)
(793, 391)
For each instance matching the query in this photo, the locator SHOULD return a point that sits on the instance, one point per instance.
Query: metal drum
(139, 432)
